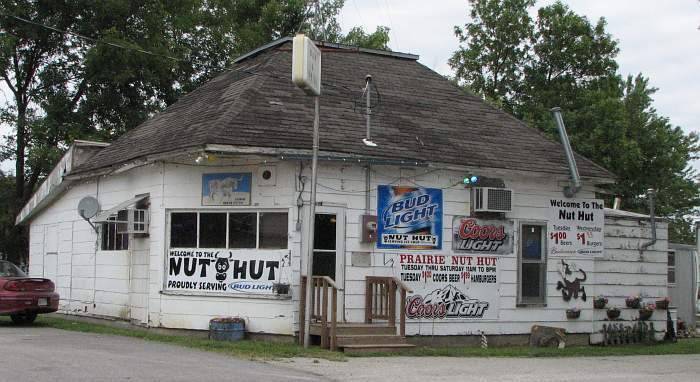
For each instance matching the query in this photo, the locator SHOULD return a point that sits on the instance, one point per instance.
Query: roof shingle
(421, 117)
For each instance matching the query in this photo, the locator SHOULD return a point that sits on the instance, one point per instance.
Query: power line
(92, 39)
(391, 23)
(143, 51)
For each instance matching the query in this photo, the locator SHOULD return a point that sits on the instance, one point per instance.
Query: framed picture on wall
(226, 189)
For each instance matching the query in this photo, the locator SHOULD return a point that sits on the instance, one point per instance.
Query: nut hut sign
(576, 227)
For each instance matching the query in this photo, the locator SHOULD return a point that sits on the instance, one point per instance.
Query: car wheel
(24, 318)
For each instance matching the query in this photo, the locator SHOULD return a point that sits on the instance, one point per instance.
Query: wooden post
(368, 300)
(334, 320)
(402, 306)
(302, 307)
(324, 316)
(392, 303)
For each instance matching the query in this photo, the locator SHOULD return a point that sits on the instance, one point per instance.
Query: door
(326, 245)
(51, 254)
(329, 248)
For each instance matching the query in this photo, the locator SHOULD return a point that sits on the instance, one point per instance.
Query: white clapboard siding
(129, 284)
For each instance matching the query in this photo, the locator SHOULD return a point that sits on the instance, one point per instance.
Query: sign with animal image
(572, 279)
(226, 189)
(482, 236)
(576, 227)
(409, 217)
(450, 287)
(223, 271)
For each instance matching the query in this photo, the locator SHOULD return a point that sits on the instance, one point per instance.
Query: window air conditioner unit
(136, 222)
(488, 199)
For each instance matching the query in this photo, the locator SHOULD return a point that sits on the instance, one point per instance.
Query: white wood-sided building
(203, 211)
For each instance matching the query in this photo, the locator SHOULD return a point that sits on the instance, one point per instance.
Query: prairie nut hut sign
(482, 236)
(576, 227)
(450, 286)
(409, 218)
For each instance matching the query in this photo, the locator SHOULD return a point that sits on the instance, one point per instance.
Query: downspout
(650, 198)
(569, 191)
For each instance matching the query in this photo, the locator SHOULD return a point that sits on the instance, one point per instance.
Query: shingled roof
(421, 117)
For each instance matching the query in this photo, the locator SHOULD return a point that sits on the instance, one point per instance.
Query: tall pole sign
(306, 73)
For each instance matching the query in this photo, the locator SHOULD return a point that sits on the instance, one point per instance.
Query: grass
(272, 350)
(248, 349)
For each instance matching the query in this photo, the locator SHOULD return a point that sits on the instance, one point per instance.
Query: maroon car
(22, 297)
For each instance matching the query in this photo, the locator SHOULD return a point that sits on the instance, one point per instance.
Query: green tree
(95, 69)
(571, 63)
(379, 39)
(496, 46)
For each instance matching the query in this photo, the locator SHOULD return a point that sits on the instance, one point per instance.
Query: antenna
(367, 140)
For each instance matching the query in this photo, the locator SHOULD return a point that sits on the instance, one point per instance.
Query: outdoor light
(369, 143)
(470, 179)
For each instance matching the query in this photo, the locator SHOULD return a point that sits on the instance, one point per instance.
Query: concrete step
(370, 339)
(349, 329)
(377, 348)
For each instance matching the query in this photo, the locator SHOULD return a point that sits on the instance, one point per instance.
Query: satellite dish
(88, 207)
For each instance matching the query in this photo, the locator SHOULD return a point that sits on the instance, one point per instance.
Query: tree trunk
(20, 151)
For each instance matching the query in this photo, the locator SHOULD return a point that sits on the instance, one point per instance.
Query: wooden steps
(357, 338)
(377, 348)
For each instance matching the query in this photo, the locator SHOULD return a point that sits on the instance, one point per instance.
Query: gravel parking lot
(407, 369)
(44, 354)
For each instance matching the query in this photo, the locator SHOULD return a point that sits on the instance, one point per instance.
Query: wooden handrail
(380, 300)
(401, 285)
(319, 309)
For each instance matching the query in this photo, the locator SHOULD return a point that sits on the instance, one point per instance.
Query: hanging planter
(600, 302)
(280, 288)
(633, 302)
(663, 303)
(646, 312)
(573, 314)
(613, 313)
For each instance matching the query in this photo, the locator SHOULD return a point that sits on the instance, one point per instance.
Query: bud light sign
(409, 218)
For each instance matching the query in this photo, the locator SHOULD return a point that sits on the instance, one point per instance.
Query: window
(112, 239)
(212, 230)
(183, 230)
(273, 230)
(242, 230)
(234, 230)
(532, 264)
(671, 267)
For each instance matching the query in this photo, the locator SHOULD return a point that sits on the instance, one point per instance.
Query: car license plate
(43, 302)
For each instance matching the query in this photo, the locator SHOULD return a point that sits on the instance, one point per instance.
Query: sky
(659, 39)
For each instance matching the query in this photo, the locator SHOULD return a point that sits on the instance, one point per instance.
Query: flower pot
(633, 303)
(599, 304)
(280, 288)
(662, 304)
(645, 314)
(613, 314)
(227, 329)
(573, 314)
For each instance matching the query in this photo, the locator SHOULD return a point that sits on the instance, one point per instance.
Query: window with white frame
(671, 275)
(233, 230)
(111, 231)
(532, 264)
